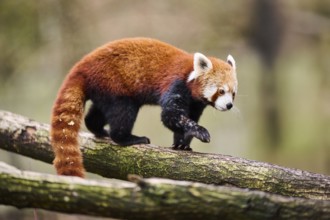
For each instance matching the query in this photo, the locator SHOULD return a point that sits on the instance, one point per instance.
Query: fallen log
(27, 137)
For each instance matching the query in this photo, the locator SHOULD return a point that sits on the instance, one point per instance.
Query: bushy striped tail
(66, 119)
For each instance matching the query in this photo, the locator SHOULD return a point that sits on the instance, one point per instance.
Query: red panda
(123, 75)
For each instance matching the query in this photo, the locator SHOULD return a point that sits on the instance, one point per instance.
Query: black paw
(200, 133)
(101, 134)
(143, 140)
(131, 140)
(181, 147)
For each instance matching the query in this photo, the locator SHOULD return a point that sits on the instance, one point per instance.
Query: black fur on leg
(95, 122)
(177, 108)
(121, 112)
(195, 111)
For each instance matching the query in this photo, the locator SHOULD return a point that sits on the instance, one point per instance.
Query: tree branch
(149, 198)
(23, 136)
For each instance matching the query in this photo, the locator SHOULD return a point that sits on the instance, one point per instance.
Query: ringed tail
(67, 115)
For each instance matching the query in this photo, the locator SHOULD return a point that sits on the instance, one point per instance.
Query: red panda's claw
(145, 140)
(181, 147)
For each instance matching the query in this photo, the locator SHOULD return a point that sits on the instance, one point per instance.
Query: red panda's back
(136, 65)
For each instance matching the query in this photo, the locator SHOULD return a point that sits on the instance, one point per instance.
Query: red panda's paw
(144, 140)
(130, 140)
(102, 134)
(181, 147)
(198, 132)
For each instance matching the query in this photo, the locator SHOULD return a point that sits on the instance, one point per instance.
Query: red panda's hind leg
(95, 122)
(121, 114)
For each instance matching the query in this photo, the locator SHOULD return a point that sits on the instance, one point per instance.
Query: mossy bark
(21, 135)
(149, 198)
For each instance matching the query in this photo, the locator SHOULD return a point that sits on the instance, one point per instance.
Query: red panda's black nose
(229, 106)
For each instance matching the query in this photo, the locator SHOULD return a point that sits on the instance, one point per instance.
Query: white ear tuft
(202, 64)
(231, 61)
(192, 76)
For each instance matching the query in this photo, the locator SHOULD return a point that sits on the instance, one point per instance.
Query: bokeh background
(282, 51)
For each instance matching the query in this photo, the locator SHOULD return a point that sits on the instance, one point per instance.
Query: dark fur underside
(180, 113)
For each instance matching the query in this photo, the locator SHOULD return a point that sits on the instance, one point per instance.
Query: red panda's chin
(222, 109)
(217, 107)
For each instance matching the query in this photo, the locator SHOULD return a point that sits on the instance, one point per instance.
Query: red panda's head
(217, 80)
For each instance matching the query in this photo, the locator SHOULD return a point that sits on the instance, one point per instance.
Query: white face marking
(235, 88)
(226, 88)
(222, 101)
(209, 92)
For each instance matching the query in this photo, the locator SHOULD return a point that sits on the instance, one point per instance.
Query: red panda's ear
(231, 61)
(202, 65)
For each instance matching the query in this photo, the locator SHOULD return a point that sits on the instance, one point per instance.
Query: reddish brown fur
(220, 74)
(123, 68)
(66, 119)
(225, 70)
(122, 62)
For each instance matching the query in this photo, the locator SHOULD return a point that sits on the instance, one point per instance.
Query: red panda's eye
(234, 94)
(221, 91)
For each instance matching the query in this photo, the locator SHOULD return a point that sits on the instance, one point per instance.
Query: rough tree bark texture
(21, 135)
(150, 198)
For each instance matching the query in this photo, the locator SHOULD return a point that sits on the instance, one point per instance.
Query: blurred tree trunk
(15, 14)
(325, 94)
(51, 32)
(266, 37)
(324, 9)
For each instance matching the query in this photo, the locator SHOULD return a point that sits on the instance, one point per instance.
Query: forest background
(282, 51)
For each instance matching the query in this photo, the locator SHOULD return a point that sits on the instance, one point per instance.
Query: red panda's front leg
(176, 115)
(195, 111)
